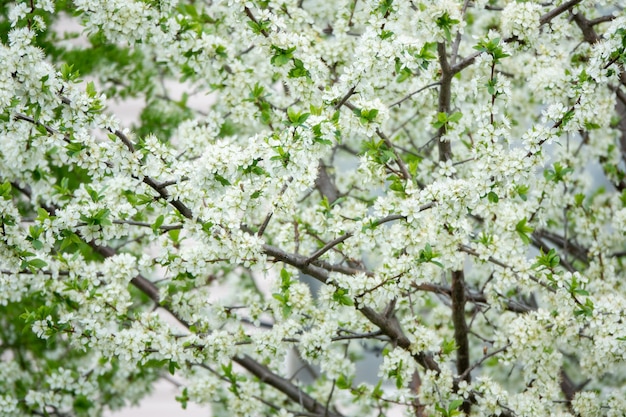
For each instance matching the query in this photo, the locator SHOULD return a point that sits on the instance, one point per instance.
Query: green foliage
(448, 346)
(548, 260)
(259, 27)
(378, 151)
(99, 218)
(384, 7)
(428, 255)
(342, 297)
(444, 119)
(281, 56)
(445, 22)
(451, 410)
(523, 230)
(402, 71)
(298, 70)
(366, 116)
(283, 295)
(557, 174)
(493, 48)
(258, 96)
(161, 118)
(296, 118)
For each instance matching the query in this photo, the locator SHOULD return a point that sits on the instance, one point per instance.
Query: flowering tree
(452, 173)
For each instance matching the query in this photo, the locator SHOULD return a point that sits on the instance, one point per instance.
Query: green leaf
(523, 230)
(445, 22)
(448, 346)
(91, 89)
(579, 199)
(5, 190)
(548, 260)
(157, 224)
(173, 366)
(100, 218)
(37, 263)
(522, 191)
(384, 7)
(281, 56)
(440, 121)
(428, 255)
(343, 383)
(42, 215)
(341, 296)
(558, 173)
(377, 393)
(259, 27)
(385, 34)
(285, 278)
(82, 404)
(207, 227)
(492, 48)
(183, 398)
(455, 117)
(366, 116)
(298, 70)
(296, 118)
(221, 179)
(585, 309)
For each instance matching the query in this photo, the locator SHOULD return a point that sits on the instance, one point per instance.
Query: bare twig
(405, 98)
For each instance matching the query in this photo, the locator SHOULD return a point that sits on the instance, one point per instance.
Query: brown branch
(586, 28)
(389, 326)
(466, 373)
(457, 294)
(574, 249)
(324, 184)
(546, 18)
(445, 92)
(328, 246)
(399, 161)
(569, 388)
(284, 385)
(251, 17)
(601, 19)
(297, 261)
(51, 131)
(457, 39)
(405, 98)
(177, 204)
(345, 98)
(314, 256)
(515, 306)
(125, 139)
(470, 251)
(165, 228)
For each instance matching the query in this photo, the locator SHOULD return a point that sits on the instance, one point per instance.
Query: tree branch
(285, 386)
(399, 161)
(324, 184)
(405, 98)
(457, 294)
(445, 92)
(546, 18)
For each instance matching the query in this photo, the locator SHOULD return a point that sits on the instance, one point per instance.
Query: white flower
(521, 20)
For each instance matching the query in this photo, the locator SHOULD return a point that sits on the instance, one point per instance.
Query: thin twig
(405, 98)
